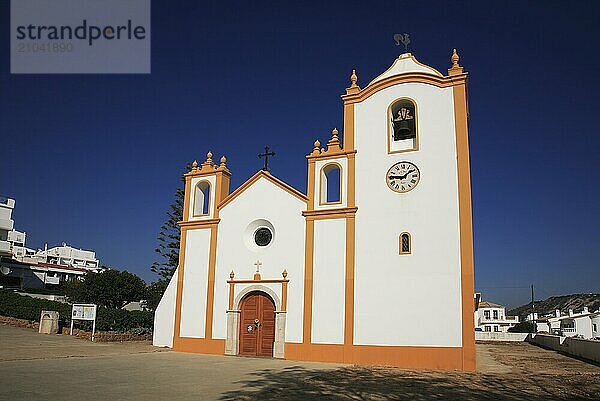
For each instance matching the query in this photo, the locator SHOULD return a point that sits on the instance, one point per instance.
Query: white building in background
(64, 255)
(492, 317)
(25, 267)
(6, 225)
(583, 324)
(342, 272)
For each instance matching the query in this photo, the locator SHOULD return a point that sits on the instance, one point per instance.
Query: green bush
(107, 319)
(24, 307)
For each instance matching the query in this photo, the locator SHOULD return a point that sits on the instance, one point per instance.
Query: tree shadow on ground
(368, 383)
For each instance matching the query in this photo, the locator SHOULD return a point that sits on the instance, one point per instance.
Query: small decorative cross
(266, 156)
(258, 264)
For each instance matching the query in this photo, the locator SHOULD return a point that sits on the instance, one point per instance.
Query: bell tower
(329, 247)
(206, 185)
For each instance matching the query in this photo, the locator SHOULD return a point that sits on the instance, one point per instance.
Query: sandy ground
(35, 366)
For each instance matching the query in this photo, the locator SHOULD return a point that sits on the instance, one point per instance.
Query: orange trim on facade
(310, 186)
(262, 174)
(323, 214)
(284, 290)
(466, 226)
(442, 358)
(309, 247)
(204, 223)
(349, 282)
(411, 77)
(201, 346)
(284, 286)
(324, 155)
(349, 127)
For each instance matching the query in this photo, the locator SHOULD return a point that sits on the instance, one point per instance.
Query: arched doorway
(257, 325)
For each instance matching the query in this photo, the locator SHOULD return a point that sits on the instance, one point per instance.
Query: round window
(263, 236)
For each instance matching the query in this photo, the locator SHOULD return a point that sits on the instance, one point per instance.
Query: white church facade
(344, 272)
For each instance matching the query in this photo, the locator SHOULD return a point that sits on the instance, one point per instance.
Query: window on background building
(487, 328)
(405, 243)
(595, 327)
(496, 329)
(486, 314)
(201, 198)
(495, 314)
(331, 184)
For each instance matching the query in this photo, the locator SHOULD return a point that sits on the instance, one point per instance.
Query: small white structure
(491, 317)
(6, 224)
(583, 324)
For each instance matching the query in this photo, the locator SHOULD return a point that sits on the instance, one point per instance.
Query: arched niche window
(402, 122)
(331, 184)
(405, 243)
(201, 198)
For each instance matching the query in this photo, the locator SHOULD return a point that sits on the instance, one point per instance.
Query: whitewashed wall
(329, 281)
(195, 273)
(164, 316)
(408, 299)
(262, 201)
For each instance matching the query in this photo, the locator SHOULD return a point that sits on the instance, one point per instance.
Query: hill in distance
(562, 302)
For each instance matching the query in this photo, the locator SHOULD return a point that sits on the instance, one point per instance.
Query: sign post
(84, 312)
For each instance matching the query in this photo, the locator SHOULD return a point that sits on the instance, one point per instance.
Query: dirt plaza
(36, 366)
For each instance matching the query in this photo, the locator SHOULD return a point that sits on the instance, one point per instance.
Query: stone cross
(257, 273)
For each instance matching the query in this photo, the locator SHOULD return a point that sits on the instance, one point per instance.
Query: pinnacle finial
(454, 58)
(317, 145)
(231, 275)
(194, 164)
(223, 161)
(285, 273)
(334, 134)
(353, 78)
(209, 156)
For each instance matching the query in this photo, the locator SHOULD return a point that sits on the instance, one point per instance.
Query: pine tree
(169, 237)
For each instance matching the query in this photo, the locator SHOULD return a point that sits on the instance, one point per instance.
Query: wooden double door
(257, 325)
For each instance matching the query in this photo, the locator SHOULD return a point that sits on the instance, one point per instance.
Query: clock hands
(401, 177)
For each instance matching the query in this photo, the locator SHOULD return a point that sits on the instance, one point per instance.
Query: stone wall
(101, 336)
(499, 336)
(12, 321)
(579, 348)
(107, 336)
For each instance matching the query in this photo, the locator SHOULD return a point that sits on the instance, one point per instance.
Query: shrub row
(119, 320)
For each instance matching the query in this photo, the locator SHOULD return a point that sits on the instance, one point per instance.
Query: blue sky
(93, 160)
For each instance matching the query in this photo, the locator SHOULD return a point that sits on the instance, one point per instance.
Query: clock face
(402, 177)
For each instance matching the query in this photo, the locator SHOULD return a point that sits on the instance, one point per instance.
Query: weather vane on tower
(402, 38)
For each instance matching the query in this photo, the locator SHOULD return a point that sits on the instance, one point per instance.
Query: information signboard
(84, 312)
